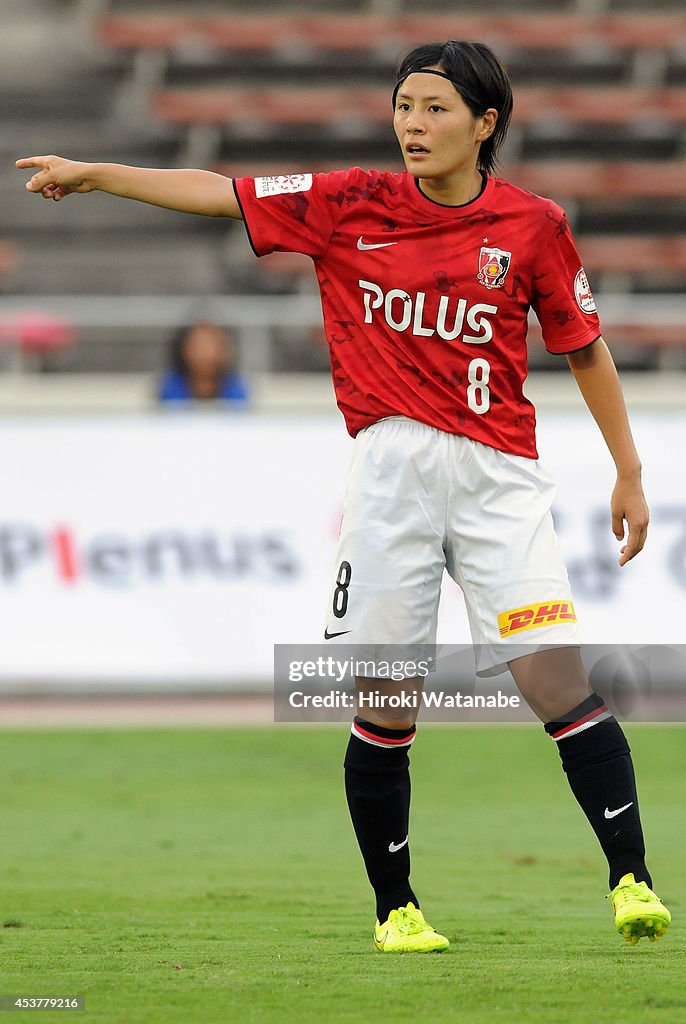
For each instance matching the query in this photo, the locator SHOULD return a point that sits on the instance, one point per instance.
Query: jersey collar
(418, 198)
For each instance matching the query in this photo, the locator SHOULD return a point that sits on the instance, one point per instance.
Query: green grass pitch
(212, 876)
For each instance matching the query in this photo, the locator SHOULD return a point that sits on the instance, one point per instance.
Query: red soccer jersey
(426, 306)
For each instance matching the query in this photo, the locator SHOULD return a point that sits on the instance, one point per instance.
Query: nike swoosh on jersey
(394, 847)
(372, 245)
(330, 636)
(613, 814)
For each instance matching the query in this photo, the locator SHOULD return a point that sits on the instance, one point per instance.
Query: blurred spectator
(202, 366)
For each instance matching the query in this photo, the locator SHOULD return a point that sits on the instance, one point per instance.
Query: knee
(389, 704)
(392, 720)
(397, 719)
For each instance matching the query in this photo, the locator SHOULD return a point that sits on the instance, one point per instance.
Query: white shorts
(419, 501)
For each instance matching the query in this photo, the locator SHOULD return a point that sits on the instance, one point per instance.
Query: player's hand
(628, 505)
(56, 177)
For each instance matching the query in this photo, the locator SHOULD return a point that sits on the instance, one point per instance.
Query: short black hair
(483, 77)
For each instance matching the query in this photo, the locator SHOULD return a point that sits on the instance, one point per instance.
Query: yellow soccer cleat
(406, 931)
(638, 911)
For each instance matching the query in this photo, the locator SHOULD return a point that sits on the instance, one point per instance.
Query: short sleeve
(291, 212)
(561, 296)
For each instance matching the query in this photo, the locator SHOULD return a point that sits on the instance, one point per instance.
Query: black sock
(377, 785)
(596, 757)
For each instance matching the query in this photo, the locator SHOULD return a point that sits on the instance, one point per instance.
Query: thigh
(505, 554)
(390, 554)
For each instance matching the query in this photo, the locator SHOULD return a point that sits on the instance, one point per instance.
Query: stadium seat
(201, 106)
(634, 253)
(319, 105)
(645, 31)
(576, 179)
(148, 31)
(593, 106)
(339, 32)
(246, 33)
(503, 32)
(305, 105)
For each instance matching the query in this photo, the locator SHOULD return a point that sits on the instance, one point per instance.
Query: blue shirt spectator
(201, 367)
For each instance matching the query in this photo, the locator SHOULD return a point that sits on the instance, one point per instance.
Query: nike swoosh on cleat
(394, 847)
(613, 814)
(330, 636)
(372, 245)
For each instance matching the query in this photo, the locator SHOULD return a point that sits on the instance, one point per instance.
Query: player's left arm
(595, 373)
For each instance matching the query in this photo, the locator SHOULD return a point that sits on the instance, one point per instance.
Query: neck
(455, 190)
(204, 384)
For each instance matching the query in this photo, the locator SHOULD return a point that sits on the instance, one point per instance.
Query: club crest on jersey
(493, 267)
(282, 184)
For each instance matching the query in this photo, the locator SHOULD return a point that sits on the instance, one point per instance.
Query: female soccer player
(426, 280)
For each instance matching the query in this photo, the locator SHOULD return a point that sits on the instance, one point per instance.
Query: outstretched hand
(56, 177)
(628, 505)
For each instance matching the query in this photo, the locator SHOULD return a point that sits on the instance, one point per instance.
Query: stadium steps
(66, 263)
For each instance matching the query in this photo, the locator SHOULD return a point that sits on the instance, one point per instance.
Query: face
(438, 133)
(207, 349)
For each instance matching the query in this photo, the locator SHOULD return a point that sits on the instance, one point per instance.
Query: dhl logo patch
(534, 616)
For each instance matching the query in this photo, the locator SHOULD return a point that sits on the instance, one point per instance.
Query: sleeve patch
(282, 184)
(584, 295)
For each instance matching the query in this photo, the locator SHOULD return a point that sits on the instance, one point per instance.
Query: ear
(489, 120)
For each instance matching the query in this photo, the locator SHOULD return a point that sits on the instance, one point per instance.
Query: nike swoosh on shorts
(330, 636)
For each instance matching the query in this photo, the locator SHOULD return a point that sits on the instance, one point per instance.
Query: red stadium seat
(273, 106)
(613, 105)
(148, 31)
(305, 106)
(645, 31)
(341, 32)
(589, 180)
(253, 33)
(503, 32)
(200, 106)
(634, 254)
(265, 32)
(321, 105)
